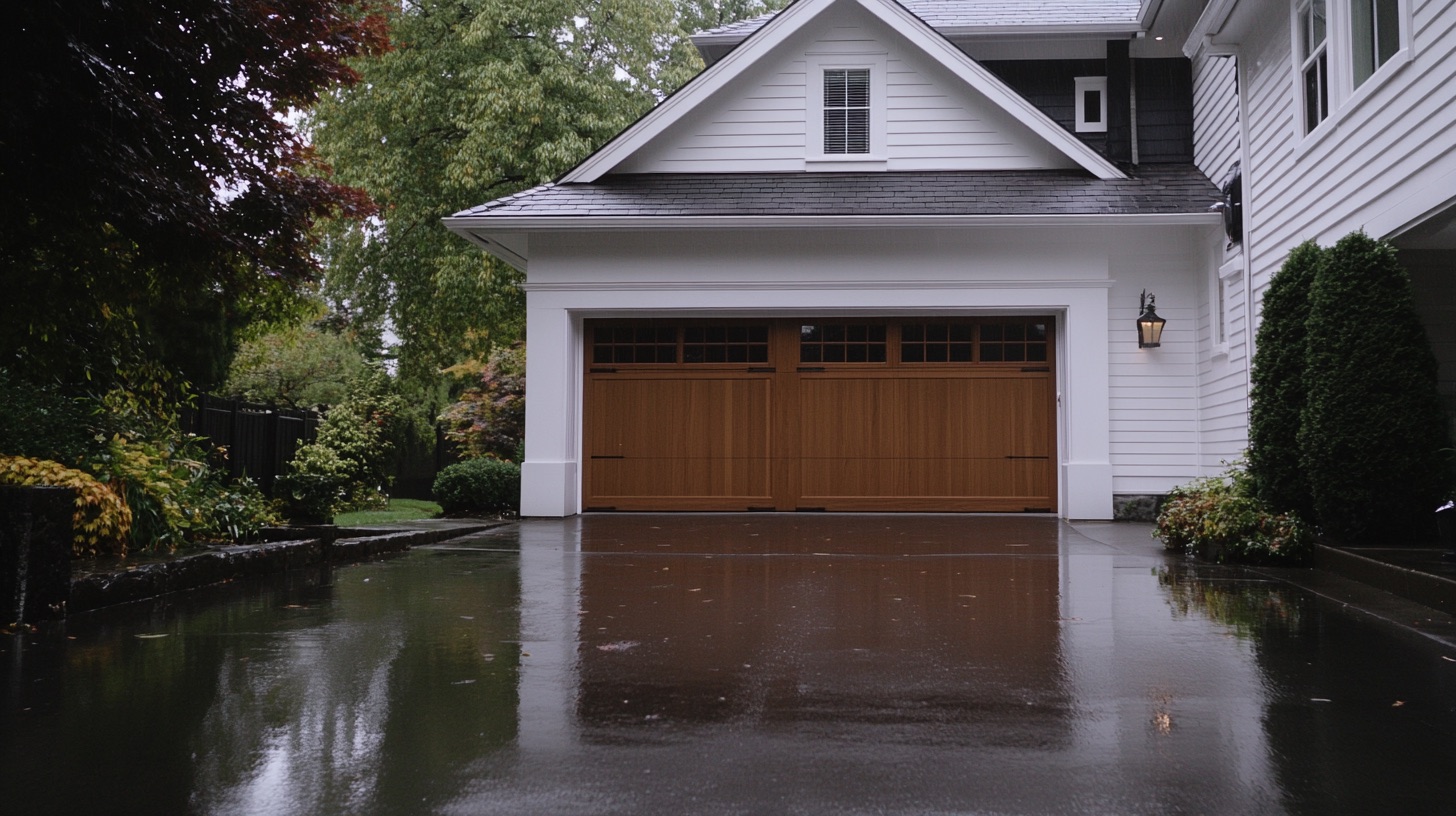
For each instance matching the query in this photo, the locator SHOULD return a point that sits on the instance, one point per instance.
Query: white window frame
(1310, 56)
(816, 65)
(1083, 85)
(1225, 276)
(1342, 91)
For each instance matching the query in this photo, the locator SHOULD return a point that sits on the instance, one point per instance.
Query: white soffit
(794, 18)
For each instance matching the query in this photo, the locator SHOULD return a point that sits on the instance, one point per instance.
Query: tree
(296, 367)
(478, 99)
(156, 199)
(1277, 401)
(489, 419)
(1373, 426)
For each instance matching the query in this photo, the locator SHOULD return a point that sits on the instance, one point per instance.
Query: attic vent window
(846, 110)
(1091, 104)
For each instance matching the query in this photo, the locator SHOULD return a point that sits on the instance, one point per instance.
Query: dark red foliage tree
(153, 196)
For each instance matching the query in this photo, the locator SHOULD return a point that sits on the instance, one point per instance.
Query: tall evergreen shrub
(1278, 396)
(1372, 426)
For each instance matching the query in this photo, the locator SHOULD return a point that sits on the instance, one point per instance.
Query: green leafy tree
(489, 419)
(156, 200)
(297, 367)
(1373, 426)
(476, 100)
(1277, 402)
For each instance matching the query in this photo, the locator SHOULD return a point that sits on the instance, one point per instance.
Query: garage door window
(843, 343)
(725, 344)
(634, 344)
(1013, 341)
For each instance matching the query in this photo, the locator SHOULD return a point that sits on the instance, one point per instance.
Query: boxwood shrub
(480, 486)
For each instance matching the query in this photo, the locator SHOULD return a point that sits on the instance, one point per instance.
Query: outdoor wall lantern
(1149, 325)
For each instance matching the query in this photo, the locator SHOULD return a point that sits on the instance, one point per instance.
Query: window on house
(1374, 35)
(843, 343)
(1314, 62)
(846, 110)
(1091, 104)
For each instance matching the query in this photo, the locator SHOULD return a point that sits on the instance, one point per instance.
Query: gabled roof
(962, 17)
(1151, 190)
(779, 28)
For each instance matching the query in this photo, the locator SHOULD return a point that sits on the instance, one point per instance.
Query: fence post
(235, 432)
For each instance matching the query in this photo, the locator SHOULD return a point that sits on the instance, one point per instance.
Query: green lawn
(399, 510)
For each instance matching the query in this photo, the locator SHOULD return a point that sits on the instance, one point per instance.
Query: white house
(886, 256)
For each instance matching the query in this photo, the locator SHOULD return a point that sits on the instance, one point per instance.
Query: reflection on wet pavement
(736, 664)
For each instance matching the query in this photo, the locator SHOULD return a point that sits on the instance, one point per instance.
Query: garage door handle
(1036, 368)
(762, 370)
(595, 370)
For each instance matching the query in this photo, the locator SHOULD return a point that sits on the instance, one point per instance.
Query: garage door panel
(893, 435)
(1019, 483)
(658, 436)
(884, 417)
(650, 477)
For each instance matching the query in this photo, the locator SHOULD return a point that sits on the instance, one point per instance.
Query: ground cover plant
(1219, 518)
(398, 510)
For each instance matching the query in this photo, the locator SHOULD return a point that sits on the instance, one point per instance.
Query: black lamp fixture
(1149, 325)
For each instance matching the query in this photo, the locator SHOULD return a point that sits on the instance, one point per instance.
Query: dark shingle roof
(956, 14)
(1152, 189)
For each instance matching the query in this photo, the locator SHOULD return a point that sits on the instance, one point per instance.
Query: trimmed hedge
(1372, 427)
(479, 486)
(1277, 401)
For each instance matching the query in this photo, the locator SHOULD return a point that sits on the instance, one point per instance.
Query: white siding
(933, 120)
(1215, 115)
(1379, 150)
(1154, 392)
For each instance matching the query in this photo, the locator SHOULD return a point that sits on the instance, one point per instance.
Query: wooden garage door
(904, 414)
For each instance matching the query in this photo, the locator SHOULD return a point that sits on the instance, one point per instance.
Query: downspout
(1247, 169)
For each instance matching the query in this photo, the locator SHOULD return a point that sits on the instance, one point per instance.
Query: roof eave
(473, 226)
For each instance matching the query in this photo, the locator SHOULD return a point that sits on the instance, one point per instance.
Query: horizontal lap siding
(932, 121)
(1215, 115)
(1386, 144)
(1153, 393)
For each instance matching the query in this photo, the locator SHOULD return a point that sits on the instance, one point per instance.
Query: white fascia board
(972, 73)
(790, 20)
(479, 229)
(487, 240)
(697, 90)
(1209, 23)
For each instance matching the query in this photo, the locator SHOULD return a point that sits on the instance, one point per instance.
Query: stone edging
(229, 563)
(1432, 590)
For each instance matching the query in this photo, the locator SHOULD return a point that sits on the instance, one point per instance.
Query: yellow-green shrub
(102, 519)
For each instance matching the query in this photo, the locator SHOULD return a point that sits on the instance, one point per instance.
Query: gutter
(464, 225)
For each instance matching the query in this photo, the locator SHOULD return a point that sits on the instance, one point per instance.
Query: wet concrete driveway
(740, 664)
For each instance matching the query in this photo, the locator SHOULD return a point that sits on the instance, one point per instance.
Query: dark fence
(260, 440)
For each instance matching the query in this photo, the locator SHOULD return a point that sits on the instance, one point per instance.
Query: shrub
(311, 498)
(224, 512)
(490, 419)
(483, 485)
(1373, 425)
(1219, 518)
(102, 519)
(357, 441)
(1277, 400)
(41, 422)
